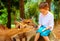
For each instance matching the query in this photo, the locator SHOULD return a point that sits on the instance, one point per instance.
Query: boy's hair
(43, 5)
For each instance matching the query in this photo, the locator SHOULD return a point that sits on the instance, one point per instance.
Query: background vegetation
(30, 10)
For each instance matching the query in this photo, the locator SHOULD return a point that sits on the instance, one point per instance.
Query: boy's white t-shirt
(47, 20)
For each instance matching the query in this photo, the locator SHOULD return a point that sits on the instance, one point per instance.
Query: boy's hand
(39, 26)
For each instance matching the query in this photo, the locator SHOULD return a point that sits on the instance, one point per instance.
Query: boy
(46, 22)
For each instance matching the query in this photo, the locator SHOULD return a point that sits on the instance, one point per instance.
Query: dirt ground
(56, 30)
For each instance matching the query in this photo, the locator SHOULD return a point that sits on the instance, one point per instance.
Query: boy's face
(43, 11)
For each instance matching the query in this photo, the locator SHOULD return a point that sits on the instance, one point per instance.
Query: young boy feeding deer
(46, 22)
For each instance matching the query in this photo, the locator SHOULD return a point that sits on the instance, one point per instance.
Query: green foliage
(3, 16)
(56, 9)
(31, 10)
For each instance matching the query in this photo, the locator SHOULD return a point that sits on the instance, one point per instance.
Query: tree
(49, 2)
(9, 14)
(21, 6)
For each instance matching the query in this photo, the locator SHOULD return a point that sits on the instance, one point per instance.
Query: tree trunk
(49, 2)
(9, 15)
(21, 6)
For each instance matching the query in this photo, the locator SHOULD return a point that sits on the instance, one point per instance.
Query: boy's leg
(37, 36)
(46, 38)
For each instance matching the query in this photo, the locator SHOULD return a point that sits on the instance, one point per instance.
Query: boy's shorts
(45, 33)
